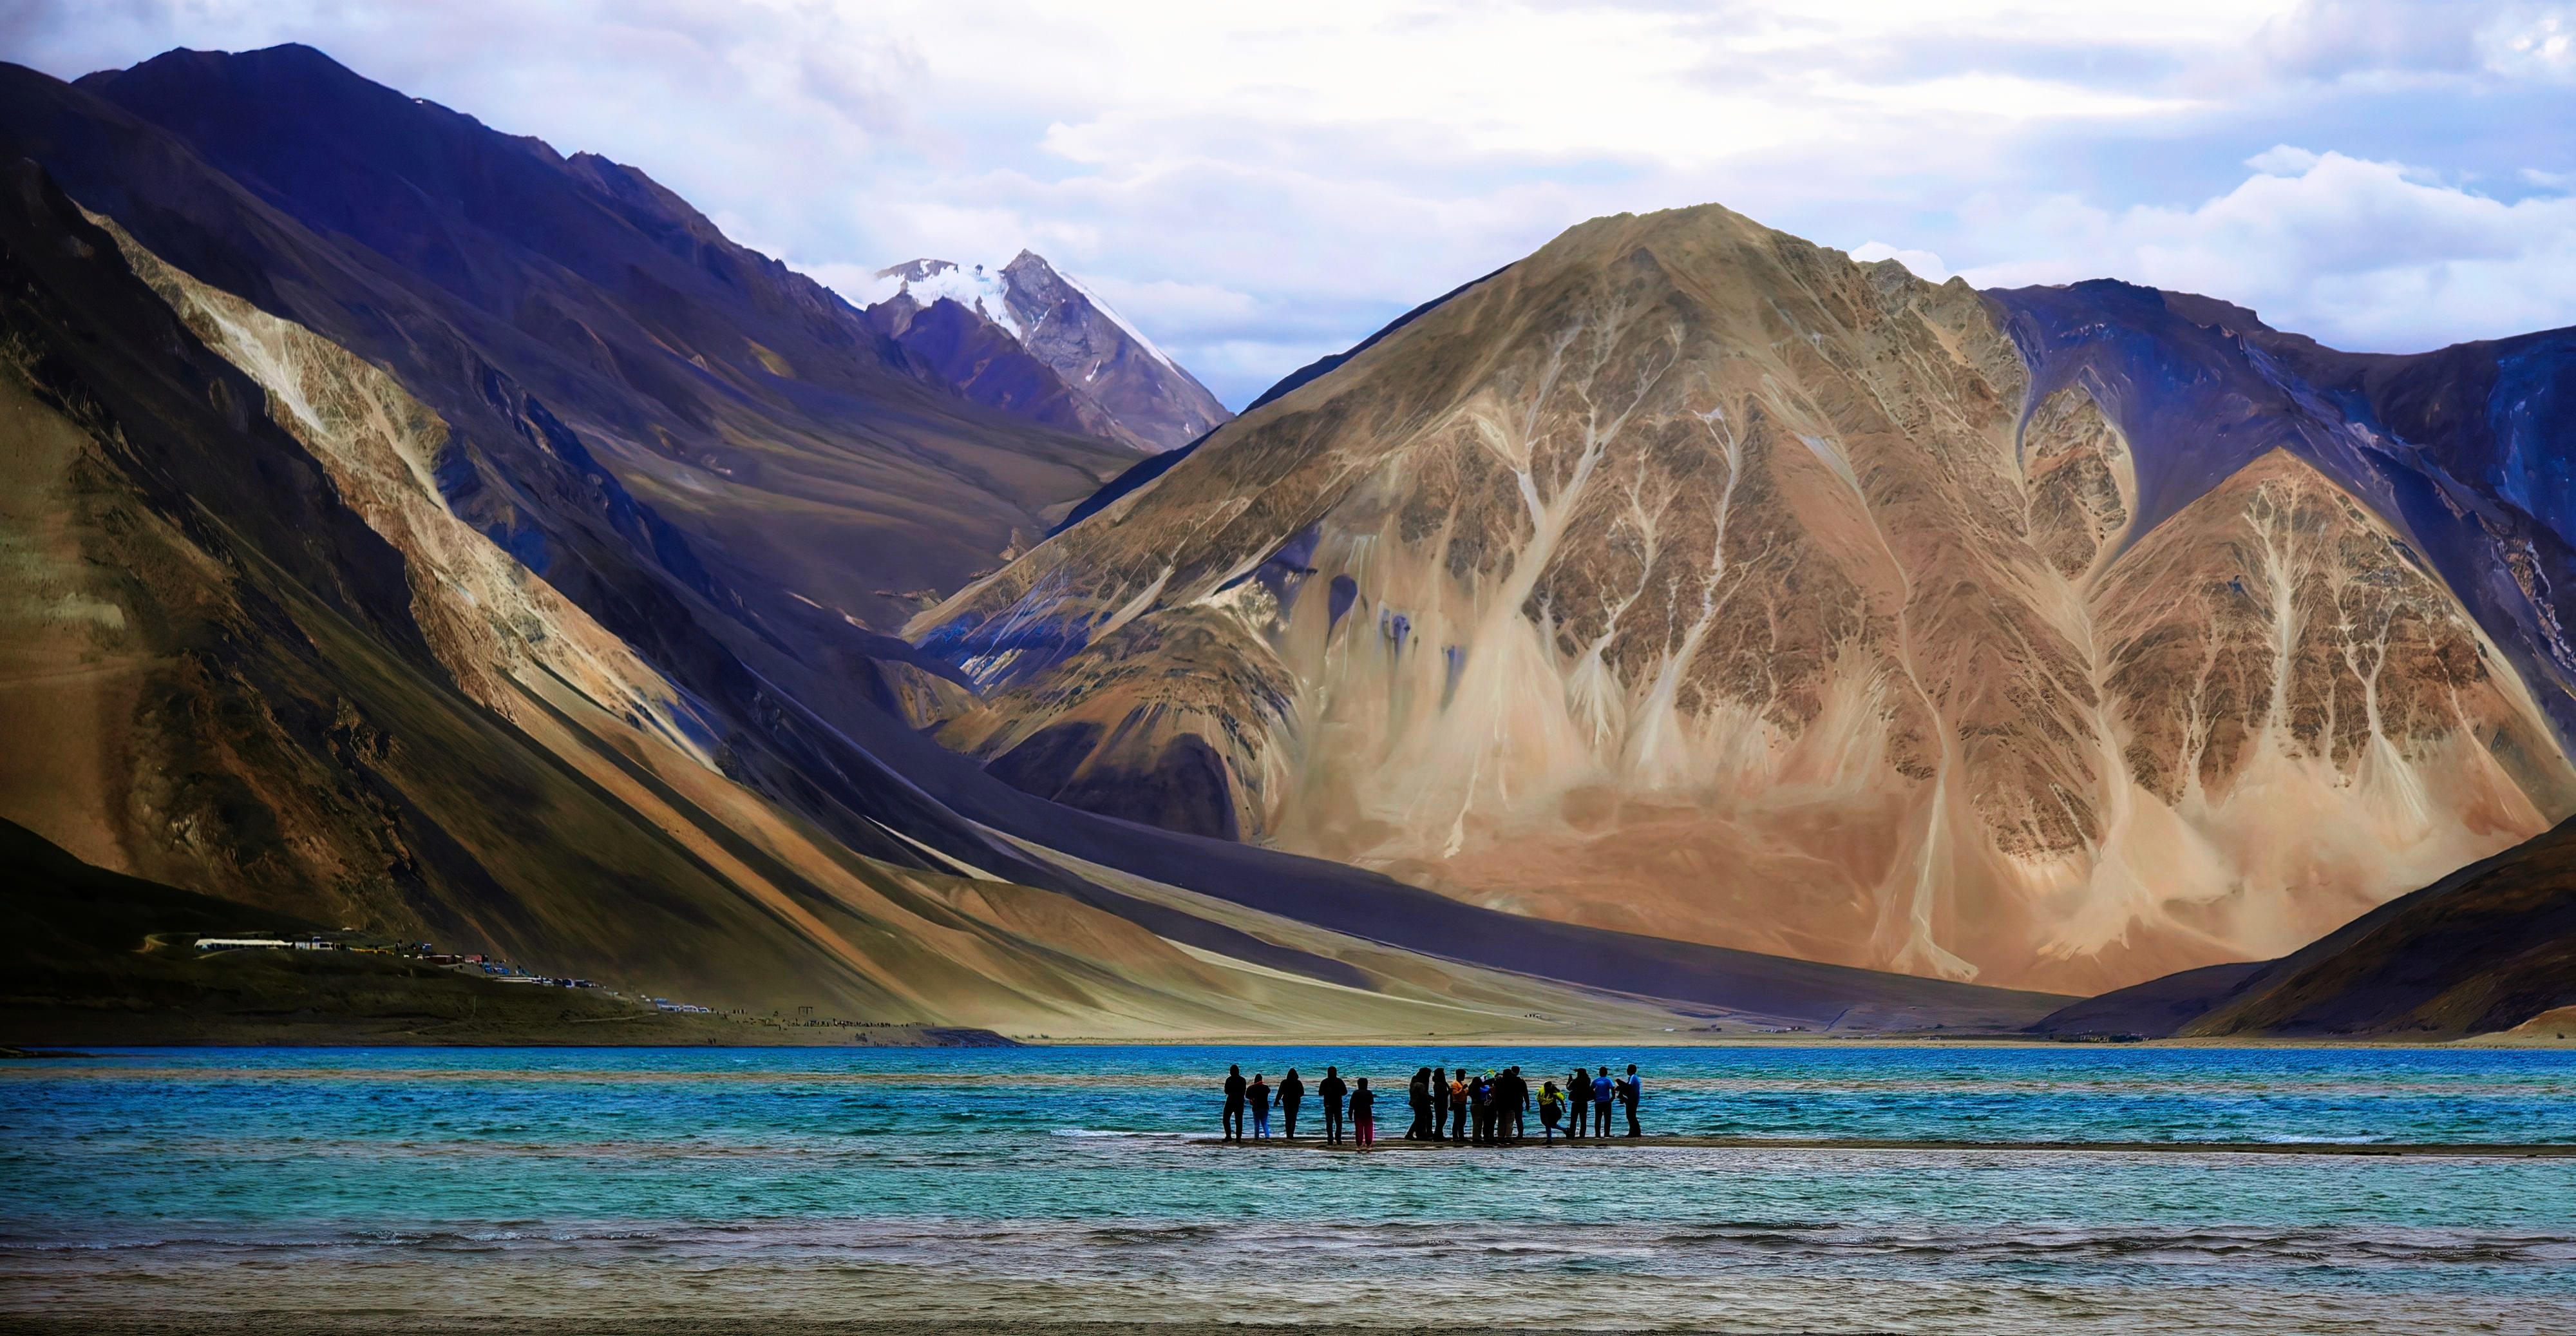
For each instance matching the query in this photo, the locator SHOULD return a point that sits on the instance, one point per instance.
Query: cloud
(2363, 255)
(2338, 38)
(1255, 185)
(2445, 40)
(2531, 42)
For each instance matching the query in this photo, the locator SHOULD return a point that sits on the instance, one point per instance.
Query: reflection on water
(1067, 1183)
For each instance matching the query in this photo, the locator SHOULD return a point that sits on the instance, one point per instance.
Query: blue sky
(1257, 185)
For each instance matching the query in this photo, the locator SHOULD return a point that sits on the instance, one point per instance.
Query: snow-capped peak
(978, 288)
(1068, 331)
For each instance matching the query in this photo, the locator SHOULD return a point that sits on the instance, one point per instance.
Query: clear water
(1068, 1182)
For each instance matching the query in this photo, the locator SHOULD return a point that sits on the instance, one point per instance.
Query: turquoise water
(1068, 1182)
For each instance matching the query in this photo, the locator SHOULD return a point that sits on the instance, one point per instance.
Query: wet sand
(2482, 1150)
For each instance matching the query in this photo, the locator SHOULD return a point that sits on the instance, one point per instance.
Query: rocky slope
(2488, 948)
(1692, 580)
(1029, 339)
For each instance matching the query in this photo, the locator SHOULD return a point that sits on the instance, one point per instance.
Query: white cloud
(1254, 184)
(2359, 254)
(2531, 41)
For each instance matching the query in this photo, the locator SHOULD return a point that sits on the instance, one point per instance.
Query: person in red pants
(1364, 1114)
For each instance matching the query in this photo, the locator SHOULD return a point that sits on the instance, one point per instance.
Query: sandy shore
(2484, 1150)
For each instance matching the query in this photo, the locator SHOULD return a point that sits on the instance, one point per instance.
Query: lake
(1068, 1182)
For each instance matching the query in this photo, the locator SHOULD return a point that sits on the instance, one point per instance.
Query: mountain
(809, 467)
(1029, 339)
(2485, 949)
(1691, 580)
(368, 567)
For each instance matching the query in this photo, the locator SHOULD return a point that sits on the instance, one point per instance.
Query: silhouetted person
(1480, 1099)
(1420, 1095)
(1603, 1088)
(1630, 1091)
(1551, 1106)
(1439, 1103)
(1233, 1103)
(1292, 1092)
(1363, 1113)
(1259, 1093)
(1578, 1101)
(1332, 1089)
(1514, 1112)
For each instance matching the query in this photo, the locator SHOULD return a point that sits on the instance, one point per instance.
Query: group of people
(1489, 1108)
(1255, 1095)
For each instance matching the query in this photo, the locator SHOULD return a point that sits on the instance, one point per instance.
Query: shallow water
(1064, 1182)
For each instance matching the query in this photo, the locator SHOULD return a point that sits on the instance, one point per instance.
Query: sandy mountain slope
(1689, 579)
(2489, 948)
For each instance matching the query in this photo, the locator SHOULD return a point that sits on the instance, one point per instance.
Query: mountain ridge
(1982, 520)
(489, 269)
